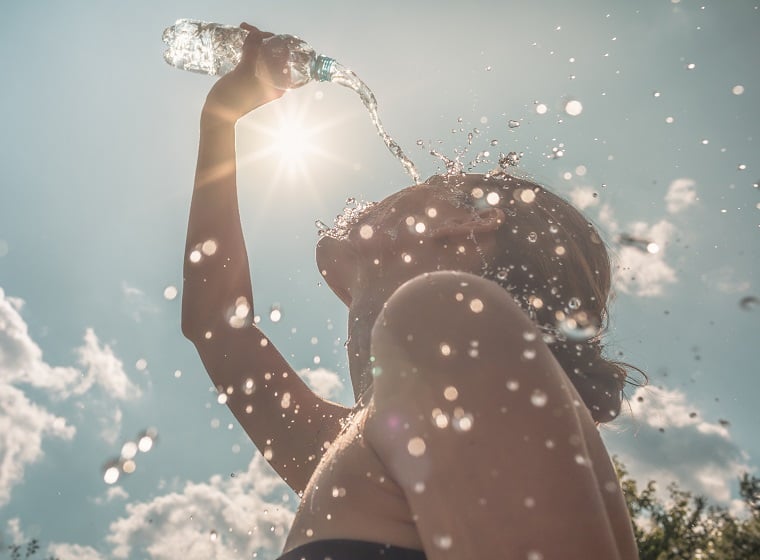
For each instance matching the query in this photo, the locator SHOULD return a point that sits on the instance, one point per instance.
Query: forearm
(216, 269)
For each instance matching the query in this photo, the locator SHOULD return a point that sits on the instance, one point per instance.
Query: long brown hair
(554, 263)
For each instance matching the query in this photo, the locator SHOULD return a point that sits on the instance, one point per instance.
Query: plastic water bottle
(284, 61)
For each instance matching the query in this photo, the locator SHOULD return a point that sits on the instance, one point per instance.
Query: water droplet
(669, 120)
(268, 453)
(488, 68)
(691, 66)
(445, 349)
(513, 385)
(129, 466)
(513, 124)
(416, 447)
(462, 423)
(541, 109)
(111, 475)
(209, 247)
(656, 94)
(476, 305)
(450, 393)
(532, 237)
(420, 227)
(653, 248)
(737, 89)
(285, 402)
(420, 142)
(129, 450)
(534, 555)
(742, 167)
(527, 195)
(170, 292)
(221, 398)
(580, 459)
(141, 364)
(538, 398)
(443, 542)
(573, 108)
(748, 303)
(574, 303)
(578, 328)
(440, 418)
(529, 353)
(366, 231)
(275, 314)
(556, 153)
(529, 502)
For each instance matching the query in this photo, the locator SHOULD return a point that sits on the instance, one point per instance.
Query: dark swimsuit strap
(346, 549)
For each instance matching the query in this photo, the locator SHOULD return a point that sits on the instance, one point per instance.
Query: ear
(485, 220)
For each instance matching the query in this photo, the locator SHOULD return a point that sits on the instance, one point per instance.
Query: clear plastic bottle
(284, 61)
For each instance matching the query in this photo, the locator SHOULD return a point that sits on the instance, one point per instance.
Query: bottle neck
(324, 68)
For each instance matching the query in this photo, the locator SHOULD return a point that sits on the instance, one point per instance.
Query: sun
(293, 143)
(293, 139)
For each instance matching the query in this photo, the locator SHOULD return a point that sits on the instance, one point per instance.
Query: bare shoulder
(452, 323)
(479, 425)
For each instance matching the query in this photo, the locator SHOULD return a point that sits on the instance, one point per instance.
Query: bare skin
(440, 454)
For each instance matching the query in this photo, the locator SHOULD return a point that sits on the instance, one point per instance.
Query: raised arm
(283, 417)
(495, 456)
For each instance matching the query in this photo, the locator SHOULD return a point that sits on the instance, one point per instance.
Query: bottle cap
(324, 68)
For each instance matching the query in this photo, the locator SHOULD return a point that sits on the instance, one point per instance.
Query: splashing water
(343, 76)
(453, 166)
(512, 159)
(343, 222)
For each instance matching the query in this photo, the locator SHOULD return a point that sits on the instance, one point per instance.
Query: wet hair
(554, 263)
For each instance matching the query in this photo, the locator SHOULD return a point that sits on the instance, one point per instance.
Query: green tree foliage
(686, 527)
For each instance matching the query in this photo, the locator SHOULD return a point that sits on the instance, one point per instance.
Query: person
(479, 388)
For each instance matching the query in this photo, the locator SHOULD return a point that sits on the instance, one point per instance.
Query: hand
(239, 92)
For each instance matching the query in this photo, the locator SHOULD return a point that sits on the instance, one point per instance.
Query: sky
(97, 153)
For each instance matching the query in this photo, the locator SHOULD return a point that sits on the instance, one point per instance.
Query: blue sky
(98, 154)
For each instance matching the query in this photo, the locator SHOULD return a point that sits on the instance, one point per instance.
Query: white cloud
(607, 219)
(103, 369)
(25, 424)
(583, 197)
(21, 358)
(66, 551)
(323, 382)
(112, 493)
(681, 194)
(639, 271)
(724, 280)
(666, 439)
(224, 518)
(13, 527)
(136, 303)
